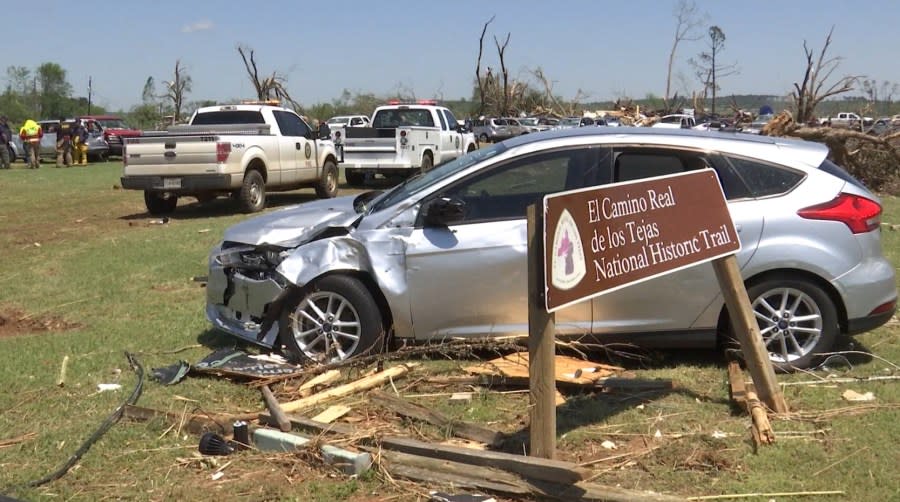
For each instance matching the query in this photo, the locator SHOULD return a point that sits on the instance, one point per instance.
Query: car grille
(114, 140)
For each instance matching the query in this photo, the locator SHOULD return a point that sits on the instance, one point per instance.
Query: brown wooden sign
(597, 240)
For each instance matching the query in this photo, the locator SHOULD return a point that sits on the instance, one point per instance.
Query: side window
(451, 120)
(355, 121)
(765, 179)
(506, 191)
(290, 124)
(442, 119)
(636, 164)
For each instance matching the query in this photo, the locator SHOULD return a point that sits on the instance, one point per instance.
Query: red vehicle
(114, 130)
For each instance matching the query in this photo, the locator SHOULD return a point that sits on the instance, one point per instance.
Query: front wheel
(797, 321)
(160, 202)
(331, 320)
(252, 196)
(327, 187)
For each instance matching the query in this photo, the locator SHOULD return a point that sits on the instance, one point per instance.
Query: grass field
(87, 274)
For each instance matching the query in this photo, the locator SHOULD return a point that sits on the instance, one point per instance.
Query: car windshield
(402, 117)
(671, 119)
(338, 120)
(418, 183)
(529, 122)
(570, 122)
(512, 122)
(113, 124)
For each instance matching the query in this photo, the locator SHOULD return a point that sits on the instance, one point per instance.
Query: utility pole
(89, 94)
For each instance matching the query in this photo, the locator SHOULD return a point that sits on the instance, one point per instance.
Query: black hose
(105, 426)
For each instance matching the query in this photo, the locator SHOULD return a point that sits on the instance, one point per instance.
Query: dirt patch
(14, 322)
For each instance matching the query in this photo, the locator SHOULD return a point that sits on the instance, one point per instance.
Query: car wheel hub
(326, 327)
(790, 323)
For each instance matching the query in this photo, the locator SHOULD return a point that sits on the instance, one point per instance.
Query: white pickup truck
(847, 119)
(402, 140)
(238, 150)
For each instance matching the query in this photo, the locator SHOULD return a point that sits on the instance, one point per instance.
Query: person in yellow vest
(80, 137)
(31, 134)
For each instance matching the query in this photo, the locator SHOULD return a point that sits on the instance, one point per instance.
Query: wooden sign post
(601, 239)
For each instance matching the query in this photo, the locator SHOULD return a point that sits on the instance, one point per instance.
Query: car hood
(292, 226)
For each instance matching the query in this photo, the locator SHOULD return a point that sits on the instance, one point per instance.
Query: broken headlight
(251, 257)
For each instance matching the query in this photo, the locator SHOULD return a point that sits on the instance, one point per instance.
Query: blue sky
(606, 48)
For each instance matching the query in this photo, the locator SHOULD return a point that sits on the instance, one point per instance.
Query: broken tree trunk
(360, 385)
(457, 428)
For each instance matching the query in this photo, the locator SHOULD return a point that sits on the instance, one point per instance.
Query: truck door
(297, 159)
(446, 143)
(454, 133)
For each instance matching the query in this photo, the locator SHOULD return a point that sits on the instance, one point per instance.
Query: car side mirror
(324, 131)
(444, 211)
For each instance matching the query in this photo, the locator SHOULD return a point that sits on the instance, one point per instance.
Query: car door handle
(297, 145)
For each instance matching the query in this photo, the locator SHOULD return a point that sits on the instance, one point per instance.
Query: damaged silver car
(444, 254)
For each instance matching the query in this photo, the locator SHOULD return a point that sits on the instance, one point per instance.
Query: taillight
(222, 151)
(403, 138)
(858, 213)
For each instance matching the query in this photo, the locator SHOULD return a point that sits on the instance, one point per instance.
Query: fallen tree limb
(360, 385)
(275, 409)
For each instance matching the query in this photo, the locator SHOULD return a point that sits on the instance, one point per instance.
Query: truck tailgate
(189, 154)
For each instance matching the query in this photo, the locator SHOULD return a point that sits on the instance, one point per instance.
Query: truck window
(228, 117)
(443, 121)
(402, 117)
(290, 124)
(451, 120)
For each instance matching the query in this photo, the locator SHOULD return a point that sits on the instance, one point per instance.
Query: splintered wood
(569, 370)
(761, 428)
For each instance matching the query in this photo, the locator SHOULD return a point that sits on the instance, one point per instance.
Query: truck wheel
(160, 202)
(471, 149)
(354, 177)
(427, 162)
(327, 187)
(252, 197)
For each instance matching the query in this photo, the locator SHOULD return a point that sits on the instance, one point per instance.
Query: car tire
(354, 177)
(797, 320)
(483, 138)
(160, 202)
(327, 187)
(471, 149)
(427, 162)
(12, 154)
(308, 321)
(252, 196)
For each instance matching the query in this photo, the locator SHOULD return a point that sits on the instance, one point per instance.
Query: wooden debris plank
(332, 413)
(568, 369)
(532, 467)
(194, 424)
(736, 384)
(636, 384)
(360, 385)
(321, 379)
(762, 428)
(458, 428)
(275, 409)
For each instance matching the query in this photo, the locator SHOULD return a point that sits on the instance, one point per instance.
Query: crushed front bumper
(239, 304)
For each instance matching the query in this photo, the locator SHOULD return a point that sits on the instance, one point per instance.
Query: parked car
(16, 148)
(538, 124)
(98, 148)
(490, 129)
(444, 254)
(114, 130)
(347, 121)
(569, 123)
(676, 121)
(514, 127)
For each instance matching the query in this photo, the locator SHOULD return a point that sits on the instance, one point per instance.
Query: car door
(674, 301)
(470, 279)
(297, 161)
(456, 146)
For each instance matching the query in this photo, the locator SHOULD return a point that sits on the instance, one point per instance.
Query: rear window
(228, 117)
(838, 171)
(402, 117)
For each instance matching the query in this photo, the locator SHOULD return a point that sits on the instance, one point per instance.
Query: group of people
(71, 143)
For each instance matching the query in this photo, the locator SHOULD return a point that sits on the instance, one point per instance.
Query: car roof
(750, 145)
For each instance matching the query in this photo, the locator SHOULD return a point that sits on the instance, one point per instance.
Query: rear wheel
(483, 138)
(160, 202)
(252, 196)
(427, 162)
(354, 177)
(471, 149)
(327, 187)
(333, 319)
(797, 321)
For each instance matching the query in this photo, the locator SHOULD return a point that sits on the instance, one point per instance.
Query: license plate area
(171, 183)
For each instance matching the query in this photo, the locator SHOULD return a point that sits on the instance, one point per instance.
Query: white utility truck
(240, 150)
(403, 139)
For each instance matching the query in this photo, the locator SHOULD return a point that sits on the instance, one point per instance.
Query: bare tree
(176, 89)
(709, 68)
(478, 79)
(504, 73)
(687, 20)
(272, 87)
(808, 94)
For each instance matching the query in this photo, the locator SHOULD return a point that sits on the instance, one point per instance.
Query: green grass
(76, 248)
